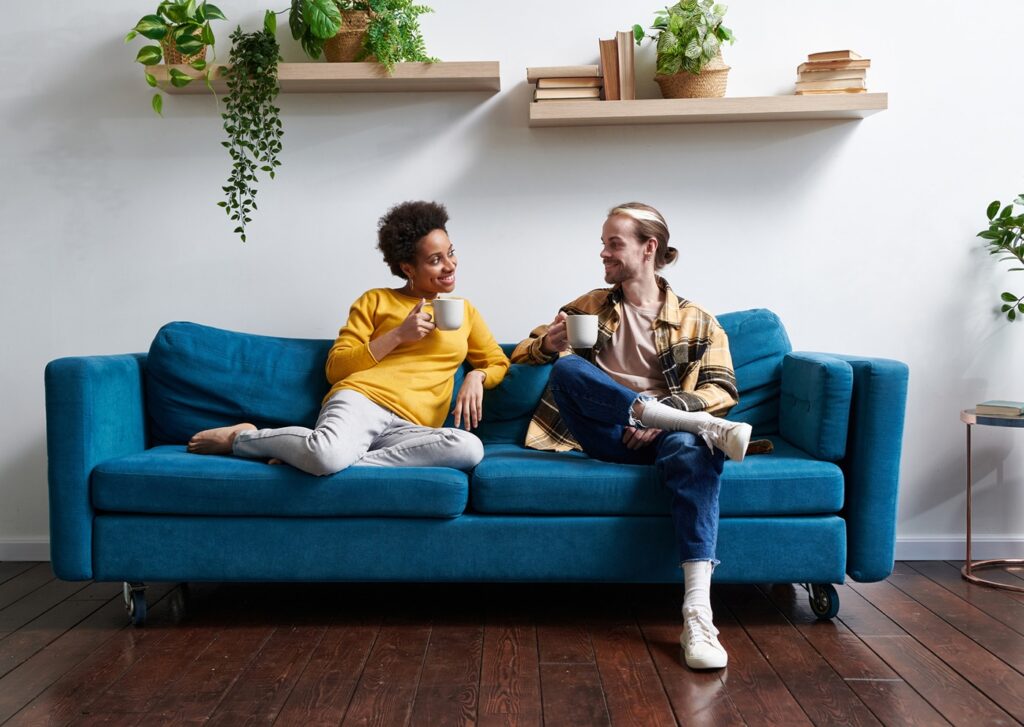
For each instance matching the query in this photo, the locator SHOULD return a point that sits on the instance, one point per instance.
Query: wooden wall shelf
(358, 77)
(704, 110)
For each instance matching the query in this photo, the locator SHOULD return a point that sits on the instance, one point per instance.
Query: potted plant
(387, 31)
(688, 37)
(251, 119)
(1005, 236)
(182, 28)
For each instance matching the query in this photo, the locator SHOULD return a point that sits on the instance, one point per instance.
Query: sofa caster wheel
(135, 602)
(824, 600)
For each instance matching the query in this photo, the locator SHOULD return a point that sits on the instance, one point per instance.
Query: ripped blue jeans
(596, 408)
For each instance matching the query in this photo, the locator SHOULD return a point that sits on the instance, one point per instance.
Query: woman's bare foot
(216, 441)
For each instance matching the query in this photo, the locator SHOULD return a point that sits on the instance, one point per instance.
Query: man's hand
(469, 404)
(556, 339)
(416, 325)
(635, 438)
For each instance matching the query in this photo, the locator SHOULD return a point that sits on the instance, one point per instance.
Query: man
(650, 391)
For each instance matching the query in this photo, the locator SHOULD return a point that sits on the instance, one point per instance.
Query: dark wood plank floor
(923, 647)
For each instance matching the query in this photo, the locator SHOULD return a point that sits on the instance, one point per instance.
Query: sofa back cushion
(758, 344)
(199, 377)
(509, 406)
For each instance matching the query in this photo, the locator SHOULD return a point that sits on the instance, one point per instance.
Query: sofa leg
(135, 602)
(824, 600)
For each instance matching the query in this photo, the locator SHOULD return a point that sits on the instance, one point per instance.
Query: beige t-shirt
(630, 357)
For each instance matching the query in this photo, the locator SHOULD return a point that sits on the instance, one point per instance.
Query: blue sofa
(127, 503)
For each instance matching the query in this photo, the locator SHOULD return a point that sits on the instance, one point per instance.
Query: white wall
(859, 234)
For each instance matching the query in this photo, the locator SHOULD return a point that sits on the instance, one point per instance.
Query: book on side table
(1000, 408)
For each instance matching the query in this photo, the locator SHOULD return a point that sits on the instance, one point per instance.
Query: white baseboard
(953, 548)
(947, 548)
(24, 549)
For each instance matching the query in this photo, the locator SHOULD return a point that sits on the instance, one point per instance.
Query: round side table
(971, 418)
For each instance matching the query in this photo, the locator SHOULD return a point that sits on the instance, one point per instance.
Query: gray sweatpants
(354, 430)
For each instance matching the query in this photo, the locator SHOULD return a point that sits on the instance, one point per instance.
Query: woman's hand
(469, 404)
(556, 339)
(416, 325)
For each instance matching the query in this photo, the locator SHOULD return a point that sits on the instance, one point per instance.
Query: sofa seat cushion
(512, 479)
(170, 481)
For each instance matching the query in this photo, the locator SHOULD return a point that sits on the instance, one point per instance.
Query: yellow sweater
(415, 379)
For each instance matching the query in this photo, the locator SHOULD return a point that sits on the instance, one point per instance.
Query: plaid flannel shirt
(693, 351)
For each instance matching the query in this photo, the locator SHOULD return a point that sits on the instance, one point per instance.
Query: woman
(390, 370)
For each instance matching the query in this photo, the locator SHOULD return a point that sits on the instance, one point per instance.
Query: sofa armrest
(814, 404)
(872, 465)
(94, 411)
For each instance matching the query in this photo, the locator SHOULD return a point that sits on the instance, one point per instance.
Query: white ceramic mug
(448, 313)
(581, 330)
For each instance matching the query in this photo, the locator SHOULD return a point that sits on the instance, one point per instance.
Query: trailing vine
(251, 119)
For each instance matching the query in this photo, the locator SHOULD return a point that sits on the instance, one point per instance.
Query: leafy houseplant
(183, 29)
(392, 35)
(1005, 236)
(688, 37)
(251, 119)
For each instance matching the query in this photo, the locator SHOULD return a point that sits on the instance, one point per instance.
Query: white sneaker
(699, 640)
(730, 437)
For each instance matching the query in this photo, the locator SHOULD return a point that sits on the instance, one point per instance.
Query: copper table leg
(969, 565)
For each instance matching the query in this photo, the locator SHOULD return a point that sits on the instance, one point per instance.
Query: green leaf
(1007, 212)
(322, 17)
(638, 34)
(1020, 307)
(151, 79)
(152, 27)
(1005, 307)
(207, 35)
(149, 55)
(270, 22)
(993, 209)
(212, 12)
(179, 79)
(158, 104)
(1012, 315)
(1009, 297)
(199, 65)
(174, 12)
(130, 36)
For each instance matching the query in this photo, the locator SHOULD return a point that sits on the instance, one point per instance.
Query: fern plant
(251, 119)
(1005, 236)
(392, 36)
(687, 35)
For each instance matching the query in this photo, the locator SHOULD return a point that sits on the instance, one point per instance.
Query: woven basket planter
(172, 56)
(348, 43)
(709, 83)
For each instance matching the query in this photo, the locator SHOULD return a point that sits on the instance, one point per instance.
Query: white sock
(697, 579)
(656, 415)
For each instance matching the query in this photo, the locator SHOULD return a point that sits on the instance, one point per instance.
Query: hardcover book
(1000, 407)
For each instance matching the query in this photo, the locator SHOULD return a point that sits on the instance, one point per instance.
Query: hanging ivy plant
(251, 119)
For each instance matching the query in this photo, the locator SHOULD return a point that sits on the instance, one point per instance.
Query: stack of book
(1000, 408)
(566, 83)
(613, 80)
(835, 71)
